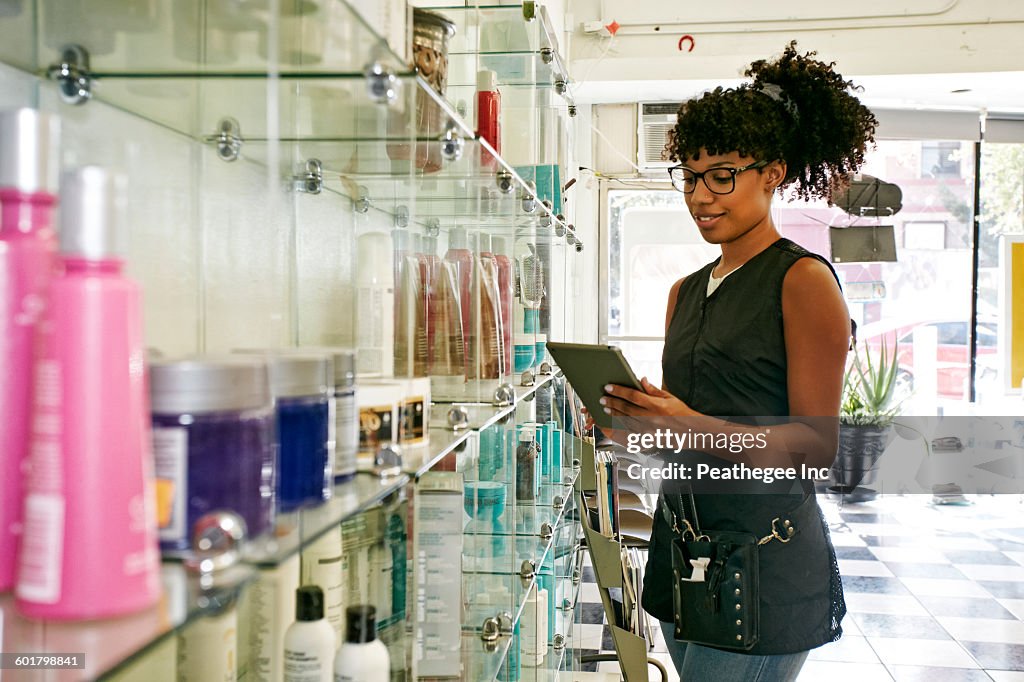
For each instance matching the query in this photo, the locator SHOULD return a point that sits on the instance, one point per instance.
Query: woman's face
(723, 218)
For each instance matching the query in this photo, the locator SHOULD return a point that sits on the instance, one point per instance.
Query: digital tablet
(589, 368)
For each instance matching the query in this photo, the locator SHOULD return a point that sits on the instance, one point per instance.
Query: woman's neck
(752, 242)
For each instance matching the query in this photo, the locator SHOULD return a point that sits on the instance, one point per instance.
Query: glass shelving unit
(309, 115)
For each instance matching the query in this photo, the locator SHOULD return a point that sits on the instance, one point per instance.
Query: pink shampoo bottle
(29, 168)
(89, 546)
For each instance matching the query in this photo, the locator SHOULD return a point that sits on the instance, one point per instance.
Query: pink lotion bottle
(89, 547)
(29, 168)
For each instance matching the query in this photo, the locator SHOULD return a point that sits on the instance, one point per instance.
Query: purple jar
(213, 444)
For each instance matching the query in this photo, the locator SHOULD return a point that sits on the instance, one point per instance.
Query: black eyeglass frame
(700, 176)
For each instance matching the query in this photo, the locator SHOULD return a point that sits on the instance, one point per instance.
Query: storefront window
(921, 302)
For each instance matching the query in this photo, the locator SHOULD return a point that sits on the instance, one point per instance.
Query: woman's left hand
(620, 401)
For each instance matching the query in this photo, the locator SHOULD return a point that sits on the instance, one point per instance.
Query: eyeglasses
(717, 180)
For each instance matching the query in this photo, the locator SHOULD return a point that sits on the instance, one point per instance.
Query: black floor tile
(1003, 589)
(593, 614)
(588, 667)
(965, 607)
(588, 574)
(873, 585)
(607, 644)
(987, 558)
(887, 625)
(997, 656)
(916, 673)
(855, 553)
(905, 569)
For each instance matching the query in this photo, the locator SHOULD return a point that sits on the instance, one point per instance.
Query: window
(940, 159)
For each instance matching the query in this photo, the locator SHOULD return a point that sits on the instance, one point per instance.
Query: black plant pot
(859, 450)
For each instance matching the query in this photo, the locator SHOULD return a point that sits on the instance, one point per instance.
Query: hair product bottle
(29, 166)
(375, 300)
(500, 251)
(488, 112)
(411, 318)
(461, 257)
(362, 657)
(309, 641)
(486, 356)
(89, 548)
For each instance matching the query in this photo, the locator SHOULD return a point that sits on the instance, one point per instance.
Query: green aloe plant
(869, 388)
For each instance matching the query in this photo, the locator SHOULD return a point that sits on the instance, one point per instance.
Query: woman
(761, 331)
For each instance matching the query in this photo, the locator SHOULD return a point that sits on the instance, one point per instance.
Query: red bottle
(488, 113)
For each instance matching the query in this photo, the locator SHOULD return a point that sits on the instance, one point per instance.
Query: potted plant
(869, 407)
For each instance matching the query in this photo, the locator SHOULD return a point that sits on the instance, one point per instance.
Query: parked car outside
(953, 352)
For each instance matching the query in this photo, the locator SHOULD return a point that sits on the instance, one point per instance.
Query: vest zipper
(693, 351)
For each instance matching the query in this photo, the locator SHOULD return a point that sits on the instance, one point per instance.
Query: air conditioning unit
(654, 121)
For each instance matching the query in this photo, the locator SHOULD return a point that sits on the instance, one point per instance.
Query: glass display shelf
(193, 38)
(296, 530)
(483, 660)
(478, 416)
(113, 644)
(501, 38)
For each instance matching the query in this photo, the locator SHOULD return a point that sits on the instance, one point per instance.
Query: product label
(375, 428)
(302, 666)
(322, 566)
(170, 457)
(412, 426)
(42, 549)
(347, 434)
(46, 464)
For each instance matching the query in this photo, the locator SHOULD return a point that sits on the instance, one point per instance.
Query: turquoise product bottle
(556, 452)
(543, 454)
(490, 453)
(396, 539)
(510, 668)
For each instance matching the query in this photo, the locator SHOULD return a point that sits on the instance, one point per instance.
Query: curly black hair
(797, 110)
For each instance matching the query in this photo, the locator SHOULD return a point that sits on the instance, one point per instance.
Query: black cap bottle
(309, 641)
(362, 657)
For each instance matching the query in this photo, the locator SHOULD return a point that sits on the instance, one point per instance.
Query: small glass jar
(301, 385)
(213, 444)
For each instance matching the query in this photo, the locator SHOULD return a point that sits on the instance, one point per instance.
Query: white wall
(867, 37)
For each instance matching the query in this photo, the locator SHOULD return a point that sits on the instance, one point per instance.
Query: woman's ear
(774, 174)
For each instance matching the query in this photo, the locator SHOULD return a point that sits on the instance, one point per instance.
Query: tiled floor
(933, 593)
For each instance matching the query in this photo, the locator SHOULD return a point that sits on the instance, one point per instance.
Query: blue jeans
(697, 663)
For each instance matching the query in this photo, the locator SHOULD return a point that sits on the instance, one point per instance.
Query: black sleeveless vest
(725, 355)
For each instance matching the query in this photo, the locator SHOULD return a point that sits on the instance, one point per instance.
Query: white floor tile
(984, 629)
(962, 544)
(595, 677)
(927, 652)
(915, 555)
(847, 540)
(589, 635)
(886, 529)
(816, 671)
(853, 567)
(939, 587)
(1016, 556)
(1014, 606)
(987, 572)
(900, 605)
(1006, 675)
(590, 594)
(846, 650)
(850, 627)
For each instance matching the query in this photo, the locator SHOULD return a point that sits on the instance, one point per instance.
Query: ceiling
(1001, 92)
